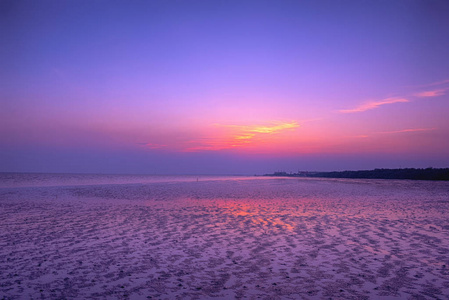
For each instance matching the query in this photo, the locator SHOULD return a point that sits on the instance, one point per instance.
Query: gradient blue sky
(223, 87)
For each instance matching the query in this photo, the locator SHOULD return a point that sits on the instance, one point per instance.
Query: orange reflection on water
(259, 214)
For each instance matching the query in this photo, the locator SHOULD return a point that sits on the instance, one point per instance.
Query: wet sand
(261, 238)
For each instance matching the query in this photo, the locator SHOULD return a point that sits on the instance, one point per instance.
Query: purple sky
(223, 87)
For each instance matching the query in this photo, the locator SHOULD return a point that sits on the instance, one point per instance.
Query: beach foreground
(254, 238)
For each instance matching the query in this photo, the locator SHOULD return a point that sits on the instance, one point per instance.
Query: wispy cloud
(152, 146)
(236, 136)
(436, 83)
(406, 130)
(402, 131)
(434, 89)
(373, 105)
(274, 127)
(433, 93)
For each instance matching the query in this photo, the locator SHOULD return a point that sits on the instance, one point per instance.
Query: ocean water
(57, 179)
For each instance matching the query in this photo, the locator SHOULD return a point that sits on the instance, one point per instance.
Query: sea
(11, 180)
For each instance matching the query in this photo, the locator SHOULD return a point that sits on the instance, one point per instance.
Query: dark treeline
(408, 173)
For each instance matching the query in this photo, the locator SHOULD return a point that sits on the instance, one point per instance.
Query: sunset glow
(236, 88)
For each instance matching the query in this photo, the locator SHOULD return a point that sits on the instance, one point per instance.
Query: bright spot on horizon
(239, 136)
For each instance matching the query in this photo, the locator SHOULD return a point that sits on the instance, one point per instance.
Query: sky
(223, 87)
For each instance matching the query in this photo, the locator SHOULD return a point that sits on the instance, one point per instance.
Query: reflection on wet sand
(268, 239)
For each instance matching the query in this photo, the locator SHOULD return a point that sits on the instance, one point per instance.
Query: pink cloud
(441, 82)
(434, 93)
(373, 105)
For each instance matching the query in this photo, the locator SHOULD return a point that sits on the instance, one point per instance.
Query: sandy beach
(243, 238)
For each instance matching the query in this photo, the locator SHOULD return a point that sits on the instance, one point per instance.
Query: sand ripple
(255, 239)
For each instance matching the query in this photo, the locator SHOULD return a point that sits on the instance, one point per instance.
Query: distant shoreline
(406, 173)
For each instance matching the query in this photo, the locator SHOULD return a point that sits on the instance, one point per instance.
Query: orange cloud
(373, 105)
(235, 136)
(433, 93)
(275, 127)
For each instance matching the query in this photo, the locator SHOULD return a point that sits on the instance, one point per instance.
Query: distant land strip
(407, 173)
